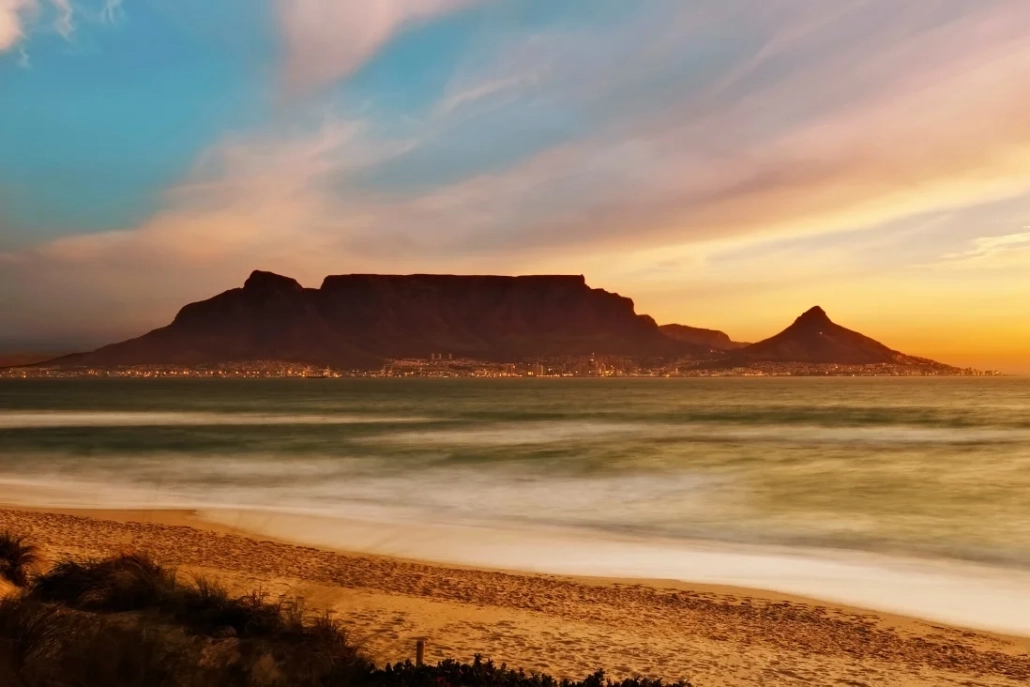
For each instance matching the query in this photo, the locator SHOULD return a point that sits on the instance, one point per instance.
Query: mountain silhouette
(359, 320)
(815, 338)
(710, 338)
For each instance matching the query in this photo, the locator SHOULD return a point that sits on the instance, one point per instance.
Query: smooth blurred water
(932, 467)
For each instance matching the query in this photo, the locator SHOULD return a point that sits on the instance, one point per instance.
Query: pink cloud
(12, 17)
(17, 16)
(326, 40)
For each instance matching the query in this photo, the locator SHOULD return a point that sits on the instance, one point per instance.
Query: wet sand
(567, 626)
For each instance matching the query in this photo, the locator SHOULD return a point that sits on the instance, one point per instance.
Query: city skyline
(724, 164)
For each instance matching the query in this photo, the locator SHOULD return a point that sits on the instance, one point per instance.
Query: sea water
(904, 476)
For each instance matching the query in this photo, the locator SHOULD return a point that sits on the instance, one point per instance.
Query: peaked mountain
(815, 339)
(358, 320)
(710, 338)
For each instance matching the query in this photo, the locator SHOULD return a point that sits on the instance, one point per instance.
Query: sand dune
(562, 625)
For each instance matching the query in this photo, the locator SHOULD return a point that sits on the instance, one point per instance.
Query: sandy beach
(567, 626)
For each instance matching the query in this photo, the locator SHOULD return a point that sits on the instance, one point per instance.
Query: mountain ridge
(713, 338)
(360, 320)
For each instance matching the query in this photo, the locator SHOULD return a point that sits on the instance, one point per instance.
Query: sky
(725, 163)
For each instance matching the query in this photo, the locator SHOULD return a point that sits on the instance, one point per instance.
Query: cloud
(326, 40)
(480, 92)
(1005, 250)
(16, 17)
(112, 11)
(715, 125)
(12, 16)
(64, 22)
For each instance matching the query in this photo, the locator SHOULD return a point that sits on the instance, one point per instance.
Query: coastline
(963, 594)
(568, 625)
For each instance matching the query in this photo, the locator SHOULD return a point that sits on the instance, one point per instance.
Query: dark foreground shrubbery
(17, 558)
(481, 673)
(127, 621)
(128, 582)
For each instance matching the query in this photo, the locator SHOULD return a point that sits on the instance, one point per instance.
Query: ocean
(931, 472)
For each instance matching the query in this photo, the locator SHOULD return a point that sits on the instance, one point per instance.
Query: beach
(727, 532)
(564, 625)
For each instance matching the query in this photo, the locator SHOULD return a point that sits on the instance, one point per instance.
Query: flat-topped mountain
(358, 320)
(814, 338)
(710, 338)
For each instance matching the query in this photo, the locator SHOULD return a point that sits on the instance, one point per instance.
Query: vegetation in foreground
(18, 557)
(128, 621)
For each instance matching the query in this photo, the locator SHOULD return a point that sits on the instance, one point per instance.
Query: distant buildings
(445, 365)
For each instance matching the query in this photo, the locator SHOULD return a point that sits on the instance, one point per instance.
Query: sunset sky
(725, 163)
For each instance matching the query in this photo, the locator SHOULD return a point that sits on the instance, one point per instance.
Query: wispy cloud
(64, 24)
(12, 15)
(482, 91)
(112, 11)
(327, 39)
(18, 16)
(992, 251)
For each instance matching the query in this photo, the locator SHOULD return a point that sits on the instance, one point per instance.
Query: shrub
(45, 645)
(207, 608)
(17, 558)
(127, 622)
(127, 582)
(481, 673)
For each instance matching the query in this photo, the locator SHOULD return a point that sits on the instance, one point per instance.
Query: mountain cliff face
(359, 320)
(710, 338)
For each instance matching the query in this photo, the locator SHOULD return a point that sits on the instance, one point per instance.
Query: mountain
(358, 320)
(710, 338)
(815, 339)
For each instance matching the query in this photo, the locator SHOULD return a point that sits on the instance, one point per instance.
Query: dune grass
(128, 621)
(18, 557)
(128, 582)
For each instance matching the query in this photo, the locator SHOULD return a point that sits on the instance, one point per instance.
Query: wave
(46, 419)
(557, 431)
(525, 433)
(679, 504)
(969, 594)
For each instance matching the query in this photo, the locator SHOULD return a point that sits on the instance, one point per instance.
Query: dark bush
(128, 582)
(127, 622)
(481, 673)
(208, 608)
(17, 558)
(44, 645)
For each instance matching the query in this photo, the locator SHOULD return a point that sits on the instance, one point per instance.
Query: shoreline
(960, 594)
(565, 625)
